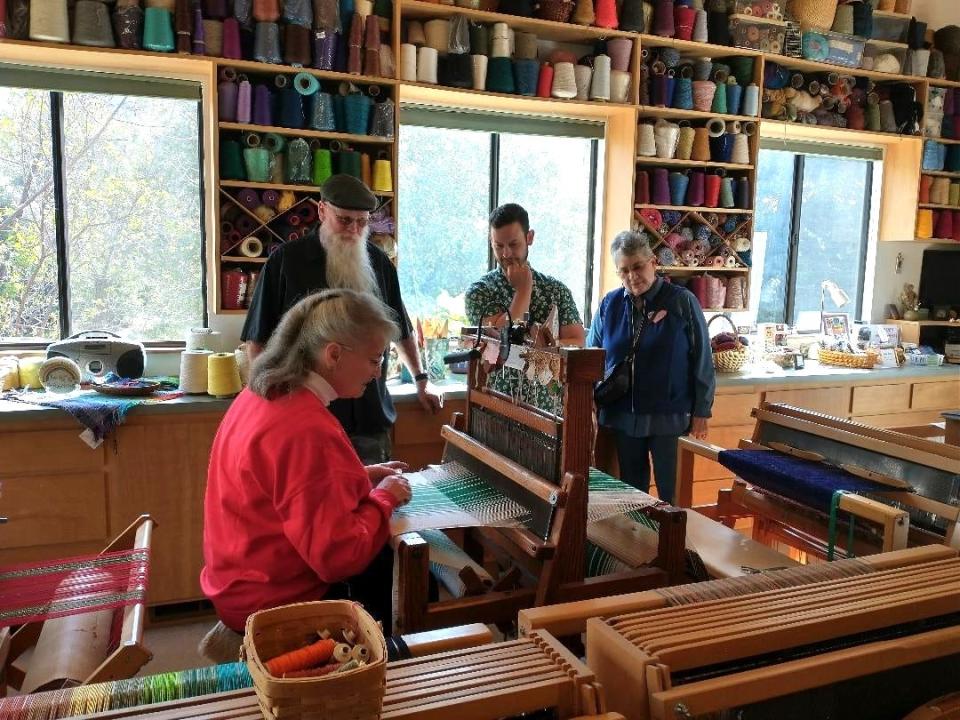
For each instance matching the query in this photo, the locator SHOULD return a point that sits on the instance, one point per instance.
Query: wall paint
(937, 13)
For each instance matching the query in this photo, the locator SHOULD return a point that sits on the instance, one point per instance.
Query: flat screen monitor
(940, 278)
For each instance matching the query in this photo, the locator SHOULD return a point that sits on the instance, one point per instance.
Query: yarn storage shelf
(320, 134)
(821, 67)
(259, 67)
(697, 48)
(941, 173)
(544, 29)
(283, 186)
(649, 111)
(643, 160)
(690, 208)
(569, 104)
(242, 259)
(683, 269)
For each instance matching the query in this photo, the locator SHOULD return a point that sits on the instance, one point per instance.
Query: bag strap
(641, 325)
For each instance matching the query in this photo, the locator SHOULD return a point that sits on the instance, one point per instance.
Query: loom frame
(130, 654)
(806, 529)
(554, 567)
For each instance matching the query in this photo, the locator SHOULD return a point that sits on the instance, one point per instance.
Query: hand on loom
(378, 472)
(397, 486)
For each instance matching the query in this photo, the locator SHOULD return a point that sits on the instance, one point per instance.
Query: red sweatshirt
(289, 508)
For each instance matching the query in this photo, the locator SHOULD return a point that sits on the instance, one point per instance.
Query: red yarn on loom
(57, 588)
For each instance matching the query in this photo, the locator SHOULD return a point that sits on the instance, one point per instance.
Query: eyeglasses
(374, 362)
(346, 221)
(636, 268)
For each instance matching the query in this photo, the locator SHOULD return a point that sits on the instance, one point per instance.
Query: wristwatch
(420, 376)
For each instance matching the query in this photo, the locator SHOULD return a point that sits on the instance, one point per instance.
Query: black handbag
(618, 382)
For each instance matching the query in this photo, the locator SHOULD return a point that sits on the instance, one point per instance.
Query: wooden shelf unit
(674, 162)
(319, 134)
(691, 208)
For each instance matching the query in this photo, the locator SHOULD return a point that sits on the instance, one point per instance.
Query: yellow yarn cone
(382, 176)
(223, 375)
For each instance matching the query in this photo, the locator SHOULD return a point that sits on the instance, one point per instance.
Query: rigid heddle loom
(815, 482)
(871, 646)
(82, 616)
(527, 543)
(534, 677)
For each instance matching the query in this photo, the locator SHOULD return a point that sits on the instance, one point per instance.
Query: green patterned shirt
(492, 295)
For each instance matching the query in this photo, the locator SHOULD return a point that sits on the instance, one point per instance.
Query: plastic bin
(833, 48)
(756, 33)
(769, 9)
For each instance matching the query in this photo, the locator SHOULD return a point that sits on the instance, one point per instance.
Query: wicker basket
(555, 10)
(353, 695)
(847, 360)
(729, 360)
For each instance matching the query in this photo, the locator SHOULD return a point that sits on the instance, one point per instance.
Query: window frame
(801, 152)
(60, 229)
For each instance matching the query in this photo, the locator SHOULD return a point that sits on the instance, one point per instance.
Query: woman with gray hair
(290, 512)
(656, 333)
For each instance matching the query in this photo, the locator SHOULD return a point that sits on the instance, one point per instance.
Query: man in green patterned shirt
(515, 287)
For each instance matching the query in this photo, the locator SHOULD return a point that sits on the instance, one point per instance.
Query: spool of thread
(678, 188)
(157, 30)
(564, 81)
(227, 101)
(719, 105)
(49, 21)
(204, 339)
(743, 193)
(683, 94)
(888, 120)
(741, 150)
(500, 75)
(525, 46)
(726, 193)
(711, 191)
(751, 101)
(661, 186)
(408, 62)
(641, 188)
(382, 176)
(701, 145)
(437, 33)
(733, 127)
(600, 84)
(223, 375)
(685, 143)
(873, 116)
(545, 81)
(647, 144)
(620, 86)
(194, 371)
(943, 224)
(695, 190)
(703, 92)
(953, 197)
(583, 74)
(924, 224)
(322, 115)
(292, 114)
(667, 135)
(262, 105)
(305, 83)
(251, 247)
(926, 183)
(59, 375)
(478, 65)
(716, 127)
(620, 50)
(734, 96)
(231, 161)
(427, 65)
(664, 23)
(256, 160)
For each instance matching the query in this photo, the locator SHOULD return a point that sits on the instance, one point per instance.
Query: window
(456, 167)
(100, 211)
(812, 224)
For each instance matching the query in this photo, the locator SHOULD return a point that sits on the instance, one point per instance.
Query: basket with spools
(863, 361)
(729, 352)
(343, 648)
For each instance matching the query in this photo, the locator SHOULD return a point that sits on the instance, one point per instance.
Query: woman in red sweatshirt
(290, 512)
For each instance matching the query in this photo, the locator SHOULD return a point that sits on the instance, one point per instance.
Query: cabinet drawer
(832, 400)
(879, 399)
(49, 452)
(54, 509)
(935, 396)
(900, 420)
(733, 409)
(416, 427)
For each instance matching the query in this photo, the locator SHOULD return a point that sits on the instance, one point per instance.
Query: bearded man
(339, 256)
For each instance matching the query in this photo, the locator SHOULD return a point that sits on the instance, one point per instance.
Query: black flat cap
(349, 193)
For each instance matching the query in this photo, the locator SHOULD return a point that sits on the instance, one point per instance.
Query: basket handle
(720, 316)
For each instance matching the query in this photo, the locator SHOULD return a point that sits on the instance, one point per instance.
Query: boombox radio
(99, 352)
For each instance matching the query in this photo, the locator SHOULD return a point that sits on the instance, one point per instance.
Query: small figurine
(908, 298)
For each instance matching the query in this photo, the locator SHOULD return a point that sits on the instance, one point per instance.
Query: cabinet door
(734, 409)
(160, 467)
(880, 399)
(936, 396)
(830, 400)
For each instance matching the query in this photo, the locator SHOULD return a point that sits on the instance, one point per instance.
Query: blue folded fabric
(807, 482)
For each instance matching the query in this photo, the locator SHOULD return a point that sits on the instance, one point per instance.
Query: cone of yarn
(944, 224)
(437, 34)
(213, 35)
(685, 142)
(683, 93)
(227, 101)
(727, 199)
(500, 75)
(606, 14)
(741, 68)
(716, 292)
(667, 135)
(91, 24)
(478, 66)
(646, 142)
(701, 145)
(408, 62)
(631, 15)
(525, 46)
(698, 286)
(663, 18)
(223, 375)
(641, 188)
(721, 148)
(741, 150)
(660, 192)
(266, 43)
(924, 224)
(479, 39)
(695, 191)
(583, 13)
(937, 66)
(843, 20)
(382, 176)
(500, 47)
(873, 116)
(751, 101)
(734, 300)
(158, 30)
(703, 92)
(620, 86)
(600, 84)
(321, 112)
(415, 33)
(526, 74)
(231, 162)
(564, 81)
(953, 196)
(49, 21)
(583, 74)
(719, 100)
(684, 18)
(938, 192)
(678, 188)
(711, 191)
(620, 50)
(734, 96)
(427, 65)
(701, 32)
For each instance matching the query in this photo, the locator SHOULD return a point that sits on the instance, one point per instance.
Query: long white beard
(348, 262)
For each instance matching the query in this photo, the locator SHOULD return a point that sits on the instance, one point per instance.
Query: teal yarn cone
(720, 100)
(678, 188)
(158, 30)
(231, 161)
(348, 163)
(322, 166)
(683, 93)
(257, 162)
(500, 75)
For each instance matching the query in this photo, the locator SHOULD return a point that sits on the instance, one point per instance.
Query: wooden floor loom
(86, 647)
(535, 677)
(540, 460)
(872, 646)
(909, 486)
